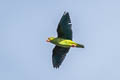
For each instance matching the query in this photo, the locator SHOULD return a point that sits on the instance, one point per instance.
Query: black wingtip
(66, 13)
(65, 18)
(56, 66)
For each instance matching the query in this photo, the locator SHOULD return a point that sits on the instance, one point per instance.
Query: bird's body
(63, 41)
(66, 43)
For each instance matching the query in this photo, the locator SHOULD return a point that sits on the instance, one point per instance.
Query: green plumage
(65, 43)
(64, 40)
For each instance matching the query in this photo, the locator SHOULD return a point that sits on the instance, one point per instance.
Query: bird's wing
(64, 27)
(58, 55)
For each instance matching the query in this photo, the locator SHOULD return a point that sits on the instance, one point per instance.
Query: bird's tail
(80, 46)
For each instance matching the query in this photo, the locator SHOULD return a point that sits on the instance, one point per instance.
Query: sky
(25, 26)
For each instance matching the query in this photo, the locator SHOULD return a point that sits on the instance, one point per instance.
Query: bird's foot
(73, 45)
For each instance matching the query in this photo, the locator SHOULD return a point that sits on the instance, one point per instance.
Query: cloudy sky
(26, 24)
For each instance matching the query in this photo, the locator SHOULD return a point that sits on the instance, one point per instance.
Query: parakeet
(64, 40)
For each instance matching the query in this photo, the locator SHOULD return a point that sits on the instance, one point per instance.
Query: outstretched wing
(64, 27)
(58, 55)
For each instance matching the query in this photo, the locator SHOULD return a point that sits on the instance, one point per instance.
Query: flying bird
(63, 41)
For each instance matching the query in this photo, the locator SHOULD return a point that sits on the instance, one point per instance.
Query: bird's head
(50, 39)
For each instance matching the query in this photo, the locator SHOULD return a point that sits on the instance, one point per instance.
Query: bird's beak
(48, 40)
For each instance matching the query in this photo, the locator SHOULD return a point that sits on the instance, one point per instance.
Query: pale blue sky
(26, 24)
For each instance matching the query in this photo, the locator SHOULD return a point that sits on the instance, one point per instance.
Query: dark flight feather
(64, 27)
(64, 31)
(58, 56)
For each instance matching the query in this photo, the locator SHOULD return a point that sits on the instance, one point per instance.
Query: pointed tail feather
(80, 46)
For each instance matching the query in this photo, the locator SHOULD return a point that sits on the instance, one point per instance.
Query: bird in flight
(63, 41)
